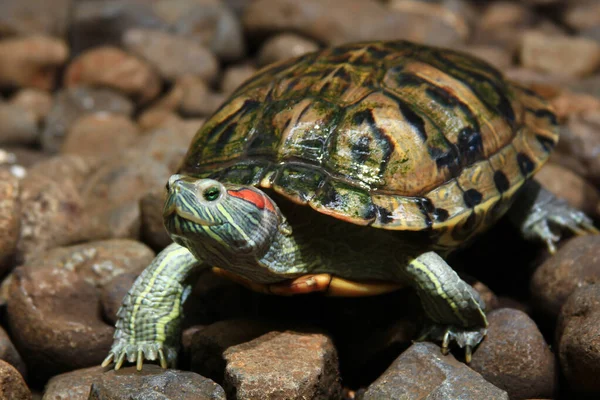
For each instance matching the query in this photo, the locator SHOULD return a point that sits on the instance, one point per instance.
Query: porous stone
(515, 357)
(37, 102)
(574, 265)
(423, 372)
(153, 228)
(9, 353)
(284, 46)
(25, 18)
(172, 56)
(153, 382)
(12, 385)
(31, 61)
(57, 316)
(10, 217)
(234, 76)
(71, 104)
(113, 68)
(578, 338)
(283, 365)
(198, 98)
(501, 23)
(74, 385)
(560, 55)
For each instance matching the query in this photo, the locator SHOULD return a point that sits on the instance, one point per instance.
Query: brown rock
(12, 385)
(113, 68)
(31, 61)
(502, 23)
(154, 382)
(100, 134)
(57, 316)
(20, 158)
(574, 265)
(423, 372)
(37, 102)
(578, 335)
(63, 167)
(172, 56)
(284, 46)
(153, 228)
(98, 262)
(113, 292)
(582, 15)
(499, 57)
(207, 22)
(112, 193)
(52, 215)
(568, 105)
(515, 357)
(71, 104)
(283, 365)
(154, 118)
(571, 187)
(74, 385)
(9, 353)
(547, 86)
(234, 76)
(34, 17)
(560, 55)
(209, 344)
(10, 217)
(17, 125)
(171, 100)
(198, 98)
(340, 21)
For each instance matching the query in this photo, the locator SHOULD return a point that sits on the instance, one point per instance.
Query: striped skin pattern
(392, 135)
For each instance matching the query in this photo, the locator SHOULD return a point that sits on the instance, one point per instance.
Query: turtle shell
(394, 135)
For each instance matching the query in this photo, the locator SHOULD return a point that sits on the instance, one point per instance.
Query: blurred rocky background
(98, 102)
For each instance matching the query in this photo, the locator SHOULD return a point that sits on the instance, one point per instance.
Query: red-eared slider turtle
(352, 170)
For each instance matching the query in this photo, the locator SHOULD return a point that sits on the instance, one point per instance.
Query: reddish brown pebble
(12, 385)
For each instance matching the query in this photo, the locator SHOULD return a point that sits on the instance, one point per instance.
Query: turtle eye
(211, 194)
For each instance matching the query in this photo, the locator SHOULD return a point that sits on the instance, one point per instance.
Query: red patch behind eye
(253, 197)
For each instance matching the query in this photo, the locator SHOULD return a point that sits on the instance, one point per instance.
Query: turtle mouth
(174, 211)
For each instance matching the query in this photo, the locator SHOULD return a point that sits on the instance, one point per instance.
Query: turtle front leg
(453, 306)
(541, 216)
(149, 324)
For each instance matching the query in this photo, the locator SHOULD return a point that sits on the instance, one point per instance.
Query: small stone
(36, 101)
(497, 56)
(9, 353)
(423, 372)
(17, 125)
(99, 262)
(578, 335)
(70, 104)
(560, 55)
(12, 385)
(98, 135)
(515, 357)
(24, 18)
(31, 61)
(20, 157)
(340, 21)
(112, 193)
(74, 385)
(234, 76)
(172, 56)
(284, 46)
(568, 105)
(207, 22)
(582, 15)
(153, 228)
(209, 344)
(569, 186)
(171, 100)
(113, 68)
(113, 292)
(64, 167)
(502, 23)
(575, 264)
(10, 218)
(154, 118)
(198, 98)
(57, 316)
(546, 85)
(153, 382)
(288, 365)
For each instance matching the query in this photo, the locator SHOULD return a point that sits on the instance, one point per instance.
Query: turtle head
(218, 221)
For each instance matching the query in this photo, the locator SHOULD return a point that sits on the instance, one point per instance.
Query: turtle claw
(137, 353)
(467, 338)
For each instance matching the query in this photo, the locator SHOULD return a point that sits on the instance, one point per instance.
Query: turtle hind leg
(541, 216)
(453, 307)
(149, 320)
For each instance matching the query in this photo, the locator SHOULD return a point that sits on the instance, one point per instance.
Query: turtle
(352, 170)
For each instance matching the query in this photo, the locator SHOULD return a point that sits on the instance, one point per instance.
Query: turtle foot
(557, 217)
(138, 352)
(467, 338)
